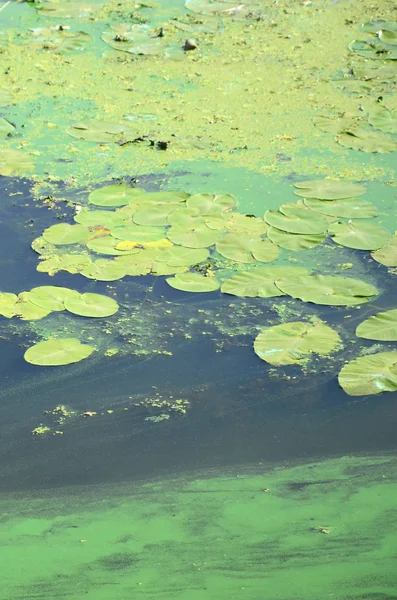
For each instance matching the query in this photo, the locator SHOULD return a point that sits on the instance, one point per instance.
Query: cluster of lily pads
(373, 132)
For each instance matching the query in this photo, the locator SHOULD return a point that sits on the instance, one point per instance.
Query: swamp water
(178, 460)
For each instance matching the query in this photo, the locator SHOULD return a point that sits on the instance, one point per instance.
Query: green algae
(302, 531)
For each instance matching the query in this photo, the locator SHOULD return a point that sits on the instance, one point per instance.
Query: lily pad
(138, 233)
(381, 327)
(250, 9)
(370, 71)
(72, 263)
(14, 162)
(193, 237)
(6, 128)
(101, 131)
(247, 249)
(193, 282)
(384, 119)
(388, 36)
(60, 40)
(367, 140)
(374, 49)
(326, 189)
(102, 219)
(178, 256)
(104, 270)
(162, 268)
(8, 305)
(348, 208)
(294, 241)
(388, 254)
(155, 215)
(28, 311)
(107, 245)
(359, 235)
(185, 217)
(65, 234)
(259, 283)
(380, 24)
(135, 39)
(91, 305)
(237, 223)
(49, 297)
(294, 343)
(335, 124)
(328, 290)
(54, 353)
(114, 195)
(211, 204)
(294, 219)
(369, 375)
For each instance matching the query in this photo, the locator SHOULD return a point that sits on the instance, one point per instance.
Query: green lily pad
(335, 124)
(65, 234)
(381, 327)
(14, 162)
(138, 233)
(294, 343)
(185, 217)
(114, 195)
(211, 204)
(237, 223)
(193, 282)
(294, 241)
(374, 49)
(162, 268)
(193, 237)
(380, 24)
(106, 245)
(60, 41)
(326, 189)
(104, 270)
(348, 208)
(178, 256)
(42, 247)
(135, 39)
(367, 140)
(91, 305)
(388, 254)
(155, 215)
(384, 119)
(259, 283)
(388, 36)
(328, 290)
(250, 9)
(54, 353)
(294, 219)
(105, 219)
(49, 297)
(101, 131)
(6, 128)
(68, 10)
(72, 263)
(359, 235)
(138, 264)
(369, 71)
(8, 305)
(28, 311)
(247, 249)
(369, 375)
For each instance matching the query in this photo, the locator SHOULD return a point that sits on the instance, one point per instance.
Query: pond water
(173, 463)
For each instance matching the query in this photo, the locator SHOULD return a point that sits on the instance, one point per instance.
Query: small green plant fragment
(194, 237)
(384, 119)
(193, 282)
(211, 204)
(49, 297)
(326, 189)
(65, 234)
(375, 49)
(237, 223)
(348, 208)
(388, 254)
(114, 195)
(294, 343)
(54, 353)
(91, 305)
(359, 235)
(6, 129)
(369, 375)
(296, 219)
(259, 282)
(178, 256)
(367, 140)
(14, 162)
(294, 241)
(328, 290)
(381, 327)
(101, 131)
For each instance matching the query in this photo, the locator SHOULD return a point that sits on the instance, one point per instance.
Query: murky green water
(174, 463)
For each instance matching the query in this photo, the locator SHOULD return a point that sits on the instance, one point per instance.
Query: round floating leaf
(371, 374)
(162, 268)
(367, 140)
(294, 219)
(107, 245)
(335, 124)
(165, 197)
(72, 263)
(247, 249)
(380, 24)
(49, 297)
(178, 256)
(68, 10)
(135, 39)
(349, 208)
(374, 49)
(104, 270)
(259, 283)
(185, 217)
(193, 282)
(42, 247)
(154, 216)
(6, 129)
(328, 290)
(264, 250)
(250, 9)
(140, 263)
(194, 237)
(371, 71)
(328, 190)
(381, 327)
(211, 204)
(60, 41)
(138, 233)
(28, 311)
(384, 119)
(100, 218)
(64, 234)
(388, 254)
(101, 131)
(237, 223)
(14, 162)
(293, 343)
(114, 195)
(91, 305)
(388, 36)
(53, 353)
(8, 304)
(359, 235)
(294, 241)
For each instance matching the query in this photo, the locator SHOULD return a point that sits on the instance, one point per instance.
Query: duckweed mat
(326, 529)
